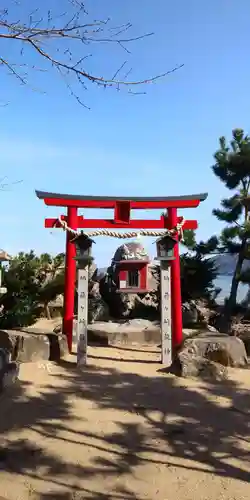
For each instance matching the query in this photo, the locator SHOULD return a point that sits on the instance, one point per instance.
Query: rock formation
(105, 303)
(124, 305)
(208, 354)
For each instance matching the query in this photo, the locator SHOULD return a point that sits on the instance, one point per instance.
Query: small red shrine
(122, 207)
(130, 264)
(133, 276)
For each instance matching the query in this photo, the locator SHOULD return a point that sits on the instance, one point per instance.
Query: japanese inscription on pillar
(166, 330)
(82, 320)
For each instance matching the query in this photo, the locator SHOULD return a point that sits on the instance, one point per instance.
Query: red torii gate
(122, 207)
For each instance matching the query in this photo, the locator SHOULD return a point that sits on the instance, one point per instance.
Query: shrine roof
(44, 194)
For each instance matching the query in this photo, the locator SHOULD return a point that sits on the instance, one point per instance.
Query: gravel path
(122, 430)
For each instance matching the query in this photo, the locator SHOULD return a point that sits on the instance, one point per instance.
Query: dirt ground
(123, 430)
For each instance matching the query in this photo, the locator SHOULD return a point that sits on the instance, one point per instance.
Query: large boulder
(145, 307)
(200, 367)
(195, 312)
(205, 313)
(93, 272)
(242, 331)
(122, 304)
(132, 250)
(209, 349)
(189, 314)
(97, 308)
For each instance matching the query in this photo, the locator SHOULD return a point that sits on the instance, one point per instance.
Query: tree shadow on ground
(173, 425)
(121, 494)
(127, 360)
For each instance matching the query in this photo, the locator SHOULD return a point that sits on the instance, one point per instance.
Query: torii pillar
(70, 277)
(122, 220)
(176, 302)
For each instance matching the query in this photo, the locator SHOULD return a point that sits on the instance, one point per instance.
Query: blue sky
(156, 144)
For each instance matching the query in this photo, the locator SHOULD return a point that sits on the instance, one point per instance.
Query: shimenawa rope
(132, 234)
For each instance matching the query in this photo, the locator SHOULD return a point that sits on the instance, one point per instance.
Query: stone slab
(129, 332)
(25, 347)
(58, 346)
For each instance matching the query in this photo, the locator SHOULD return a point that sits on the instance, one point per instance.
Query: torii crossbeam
(122, 207)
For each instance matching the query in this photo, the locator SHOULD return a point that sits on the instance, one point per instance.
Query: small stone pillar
(82, 316)
(166, 330)
(165, 254)
(83, 258)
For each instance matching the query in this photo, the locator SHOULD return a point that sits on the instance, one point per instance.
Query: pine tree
(198, 271)
(32, 281)
(232, 167)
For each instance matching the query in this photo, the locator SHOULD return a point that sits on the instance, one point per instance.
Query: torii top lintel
(122, 210)
(68, 200)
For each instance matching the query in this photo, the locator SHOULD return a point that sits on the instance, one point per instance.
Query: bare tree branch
(5, 185)
(58, 39)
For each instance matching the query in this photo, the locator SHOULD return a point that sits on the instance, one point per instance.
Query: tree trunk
(232, 300)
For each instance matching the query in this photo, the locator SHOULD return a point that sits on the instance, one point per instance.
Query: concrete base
(129, 332)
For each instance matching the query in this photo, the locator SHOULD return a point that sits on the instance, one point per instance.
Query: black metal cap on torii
(45, 194)
(122, 207)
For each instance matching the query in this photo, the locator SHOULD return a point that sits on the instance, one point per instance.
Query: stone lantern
(83, 249)
(165, 248)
